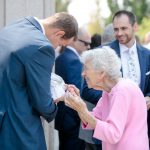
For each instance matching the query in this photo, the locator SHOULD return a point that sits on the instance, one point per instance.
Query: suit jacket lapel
(69, 51)
(115, 45)
(142, 63)
(33, 21)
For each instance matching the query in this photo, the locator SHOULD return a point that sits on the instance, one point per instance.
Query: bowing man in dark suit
(69, 67)
(125, 26)
(26, 60)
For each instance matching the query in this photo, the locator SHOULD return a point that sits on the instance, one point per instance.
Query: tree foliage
(95, 24)
(61, 5)
(143, 28)
(139, 7)
(94, 27)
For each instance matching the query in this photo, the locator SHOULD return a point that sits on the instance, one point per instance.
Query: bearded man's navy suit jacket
(26, 61)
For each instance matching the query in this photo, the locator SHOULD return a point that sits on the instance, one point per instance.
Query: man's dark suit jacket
(69, 67)
(93, 96)
(26, 60)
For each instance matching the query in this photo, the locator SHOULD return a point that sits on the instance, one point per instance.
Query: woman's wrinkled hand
(74, 101)
(73, 89)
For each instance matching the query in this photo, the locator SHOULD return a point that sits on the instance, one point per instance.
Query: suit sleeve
(147, 91)
(148, 88)
(38, 73)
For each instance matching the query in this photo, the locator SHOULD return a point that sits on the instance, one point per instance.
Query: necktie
(132, 68)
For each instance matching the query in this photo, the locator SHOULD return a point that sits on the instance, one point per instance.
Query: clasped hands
(72, 98)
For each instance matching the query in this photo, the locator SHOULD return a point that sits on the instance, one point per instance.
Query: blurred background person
(95, 40)
(108, 34)
(69, 67)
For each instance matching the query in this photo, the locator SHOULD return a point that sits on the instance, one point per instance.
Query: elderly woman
(120, 117)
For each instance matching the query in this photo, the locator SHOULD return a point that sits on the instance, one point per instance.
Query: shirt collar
(124, 48)
(43, 30)
(74, 50)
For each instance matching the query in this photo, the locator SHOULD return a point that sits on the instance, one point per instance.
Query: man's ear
(135, 26)
(60, 33)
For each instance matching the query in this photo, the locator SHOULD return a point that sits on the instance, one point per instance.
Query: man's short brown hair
(67, 23)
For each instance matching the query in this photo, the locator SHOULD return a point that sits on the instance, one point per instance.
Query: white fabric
(125, 51)
(43, 30)
(132, 68)
(57, 86)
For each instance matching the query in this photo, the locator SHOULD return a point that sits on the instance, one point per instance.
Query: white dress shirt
(124, 51)
(74, 50)
(57, 86)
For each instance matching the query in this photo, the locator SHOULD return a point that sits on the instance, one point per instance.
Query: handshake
(59, 89)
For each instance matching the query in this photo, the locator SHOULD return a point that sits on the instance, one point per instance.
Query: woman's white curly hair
(104, 59)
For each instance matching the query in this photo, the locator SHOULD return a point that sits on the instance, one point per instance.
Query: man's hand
(59, 99)
(147, 102)
(70, 88)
